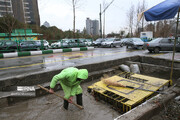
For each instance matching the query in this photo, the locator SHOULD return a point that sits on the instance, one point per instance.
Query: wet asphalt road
(10, 67)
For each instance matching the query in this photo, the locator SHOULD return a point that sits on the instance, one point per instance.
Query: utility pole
(104, 27)
(100, 22)
(104, 16)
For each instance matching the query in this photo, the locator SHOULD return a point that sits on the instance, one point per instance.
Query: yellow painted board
(151, 80)
(133, 95)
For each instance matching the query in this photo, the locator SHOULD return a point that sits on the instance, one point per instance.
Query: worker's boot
(79, 99)
(66, 104)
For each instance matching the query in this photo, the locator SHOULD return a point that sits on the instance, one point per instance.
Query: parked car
(123, 41)
(43, 44)
(8, 46)
(111, 42)
(77, 43)
(46, 44)
(64, 43)
(30, 45)
(162, 44)
(135, 43)
(88, 42)
(117, 42)
(97, 43)
(54, 44)
(67, 43)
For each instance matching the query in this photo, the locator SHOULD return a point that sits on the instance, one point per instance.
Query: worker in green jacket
(70, 79)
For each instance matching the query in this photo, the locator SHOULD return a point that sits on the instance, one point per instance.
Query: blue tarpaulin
(164, 10)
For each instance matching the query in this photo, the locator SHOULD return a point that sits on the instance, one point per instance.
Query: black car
(98, 42)
(135, 43)
(30, 45)
(8, 46)
(123, 41)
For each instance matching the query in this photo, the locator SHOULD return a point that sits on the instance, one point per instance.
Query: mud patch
(171, 112)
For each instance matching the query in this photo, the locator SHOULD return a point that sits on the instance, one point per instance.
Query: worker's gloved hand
(70, 99)
(51, 90)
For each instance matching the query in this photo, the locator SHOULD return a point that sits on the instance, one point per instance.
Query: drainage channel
(97, 70)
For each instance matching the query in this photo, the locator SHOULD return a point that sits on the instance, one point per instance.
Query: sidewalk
(40, 52)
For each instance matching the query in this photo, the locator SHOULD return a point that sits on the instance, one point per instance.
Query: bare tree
(75, 4)
(130, 17)
(143, 7)
(7, 23)
(165, 28)
(136, 22)
(139, 25)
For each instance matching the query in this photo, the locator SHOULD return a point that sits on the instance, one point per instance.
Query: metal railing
(28, 45)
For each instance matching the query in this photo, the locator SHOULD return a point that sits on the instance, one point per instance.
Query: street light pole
(100, 22)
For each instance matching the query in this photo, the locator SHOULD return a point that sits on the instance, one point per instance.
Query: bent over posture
(70, 79)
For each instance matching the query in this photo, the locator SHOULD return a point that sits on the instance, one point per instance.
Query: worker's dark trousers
(78, 101)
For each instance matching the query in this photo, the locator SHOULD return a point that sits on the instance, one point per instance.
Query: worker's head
(82, 74)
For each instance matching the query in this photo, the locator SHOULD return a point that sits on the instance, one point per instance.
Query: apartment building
(25, 11)
(5, 7)
(92, 27)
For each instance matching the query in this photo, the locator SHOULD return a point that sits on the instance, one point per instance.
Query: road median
(40, 52)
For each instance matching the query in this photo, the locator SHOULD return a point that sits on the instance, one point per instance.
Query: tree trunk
(74, 21)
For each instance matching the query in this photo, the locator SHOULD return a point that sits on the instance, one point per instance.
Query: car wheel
(156, 50)
(121, 45)
(132, 46)
(111, 46)
(150, 51)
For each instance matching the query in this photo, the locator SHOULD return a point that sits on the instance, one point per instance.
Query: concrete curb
(40, 52)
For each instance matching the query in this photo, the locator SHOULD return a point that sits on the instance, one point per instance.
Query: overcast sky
(59, 13)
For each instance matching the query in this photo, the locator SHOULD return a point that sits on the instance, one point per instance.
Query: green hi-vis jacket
(67, 79)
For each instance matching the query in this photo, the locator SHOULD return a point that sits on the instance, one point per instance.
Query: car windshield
(9, 43)
(82, 40)
(65, 41)
(109, 39)
(156, 40)
(98, 40)
(88, 40)
(125, 39)
(137, 40)
(45, 41)
(37, 42)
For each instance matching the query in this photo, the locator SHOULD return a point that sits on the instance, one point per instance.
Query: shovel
(80, 107)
